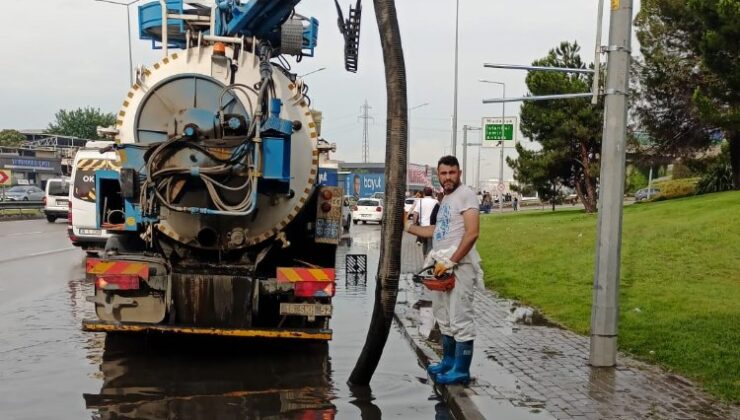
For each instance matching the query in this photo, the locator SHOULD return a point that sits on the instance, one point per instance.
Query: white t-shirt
(425, 212)
(450, 226)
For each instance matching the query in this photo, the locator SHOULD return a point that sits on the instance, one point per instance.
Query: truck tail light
(354, 208)
(44, 200)
(378, 209)
(117, 282)
(315, 288)
(69, 216)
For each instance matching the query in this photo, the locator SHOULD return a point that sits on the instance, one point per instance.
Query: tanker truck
(220, 224)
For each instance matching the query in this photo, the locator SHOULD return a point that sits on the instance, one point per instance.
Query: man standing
(453, 249)
(422, 215)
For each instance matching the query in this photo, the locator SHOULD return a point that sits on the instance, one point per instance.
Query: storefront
(27, 170)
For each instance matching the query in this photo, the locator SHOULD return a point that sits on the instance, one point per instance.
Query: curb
(457, 397)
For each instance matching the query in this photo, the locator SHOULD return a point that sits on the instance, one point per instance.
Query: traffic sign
(494, 131)
(501, 187)
(5, 177)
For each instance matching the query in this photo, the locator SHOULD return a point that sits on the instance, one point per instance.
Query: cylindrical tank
(208, 98)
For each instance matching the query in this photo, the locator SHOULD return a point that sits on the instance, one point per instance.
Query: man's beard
(454, 186)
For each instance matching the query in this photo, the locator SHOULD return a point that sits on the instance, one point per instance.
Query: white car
(56, 202)
(83, 227)
(368, 210)
(408, 205)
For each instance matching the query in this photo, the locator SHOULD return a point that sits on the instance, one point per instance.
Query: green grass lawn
(680, 279)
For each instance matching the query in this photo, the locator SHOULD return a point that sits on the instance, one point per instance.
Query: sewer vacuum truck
(220, 222)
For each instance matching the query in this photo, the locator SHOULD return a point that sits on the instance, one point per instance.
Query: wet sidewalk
(524, 371)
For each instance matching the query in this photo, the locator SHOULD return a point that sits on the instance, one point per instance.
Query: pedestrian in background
(422, 212)
(453, 249)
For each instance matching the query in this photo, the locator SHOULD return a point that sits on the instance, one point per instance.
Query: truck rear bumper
(283, 333)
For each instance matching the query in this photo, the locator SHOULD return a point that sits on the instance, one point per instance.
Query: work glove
(443, 266)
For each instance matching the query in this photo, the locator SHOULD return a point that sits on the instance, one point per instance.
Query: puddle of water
(50, 368)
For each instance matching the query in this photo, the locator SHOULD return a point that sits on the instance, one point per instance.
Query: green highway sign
(493, 132)
(497, 129)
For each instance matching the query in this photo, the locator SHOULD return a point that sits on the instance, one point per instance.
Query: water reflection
(154, 377)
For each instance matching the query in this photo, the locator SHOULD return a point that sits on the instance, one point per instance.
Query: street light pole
(501, 169)
(454, 107)
(128, 28)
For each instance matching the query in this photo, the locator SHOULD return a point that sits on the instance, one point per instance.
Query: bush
(681, 171)
(718, 178)
(676, 188)
(635, 180)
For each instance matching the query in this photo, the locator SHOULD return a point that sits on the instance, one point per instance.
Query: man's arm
(421, 231)
(471, 219)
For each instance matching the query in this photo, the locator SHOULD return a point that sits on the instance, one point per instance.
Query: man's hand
(407, 223)
(441, 267)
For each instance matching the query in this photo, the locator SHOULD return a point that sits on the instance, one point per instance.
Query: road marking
(37, 254)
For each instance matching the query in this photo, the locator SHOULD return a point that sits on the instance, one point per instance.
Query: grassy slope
(680, 279)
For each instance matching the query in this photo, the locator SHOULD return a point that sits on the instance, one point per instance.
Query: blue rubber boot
(448, 357)
(460, 373)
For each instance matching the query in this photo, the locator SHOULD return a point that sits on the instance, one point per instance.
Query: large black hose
(396, 156)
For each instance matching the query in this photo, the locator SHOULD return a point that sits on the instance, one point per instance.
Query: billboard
(364, 185)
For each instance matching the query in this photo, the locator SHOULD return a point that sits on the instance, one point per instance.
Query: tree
(11, 138)
(539, 171)
(81, 122)
(700, 41)
(663, 102)
(568, 130)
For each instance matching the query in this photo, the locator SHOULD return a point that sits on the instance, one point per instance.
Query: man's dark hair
(357, 176)
(448, 160)
(428, 191)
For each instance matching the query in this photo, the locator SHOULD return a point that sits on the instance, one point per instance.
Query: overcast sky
(73, 53)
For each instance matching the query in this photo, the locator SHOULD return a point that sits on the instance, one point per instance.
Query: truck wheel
(354, 221)
(50, 218)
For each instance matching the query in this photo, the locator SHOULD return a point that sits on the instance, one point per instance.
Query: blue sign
(31, 163)
(364, 185)
(328, 177)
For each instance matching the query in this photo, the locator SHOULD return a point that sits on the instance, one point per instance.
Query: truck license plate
(305, 309)
(93, 232)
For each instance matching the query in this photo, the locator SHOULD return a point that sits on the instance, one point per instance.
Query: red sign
(418, 175)
(4, 177)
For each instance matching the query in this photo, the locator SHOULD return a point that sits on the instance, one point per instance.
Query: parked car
(368, 210)
(24, 193)
(643, 193)
(56, 201)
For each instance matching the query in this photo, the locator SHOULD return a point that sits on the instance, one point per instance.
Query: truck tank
(220, 224)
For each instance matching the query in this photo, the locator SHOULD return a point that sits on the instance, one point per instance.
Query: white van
(56, 200)
(82, 223)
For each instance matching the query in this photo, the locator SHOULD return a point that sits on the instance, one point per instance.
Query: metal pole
(454, 107)
(650, 182)
(465, 155)
(605, 309)
(130, 58)
(477, 172)
(503, 137)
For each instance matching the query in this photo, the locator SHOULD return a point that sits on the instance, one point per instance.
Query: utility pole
(365, 141)
(465, 171)
(605, 310)
(454, 106)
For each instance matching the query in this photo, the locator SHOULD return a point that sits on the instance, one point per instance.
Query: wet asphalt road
(50, 369)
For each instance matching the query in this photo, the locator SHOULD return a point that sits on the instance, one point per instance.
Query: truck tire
(50, 218)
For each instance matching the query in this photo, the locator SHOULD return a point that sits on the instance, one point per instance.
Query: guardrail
(20, 205)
